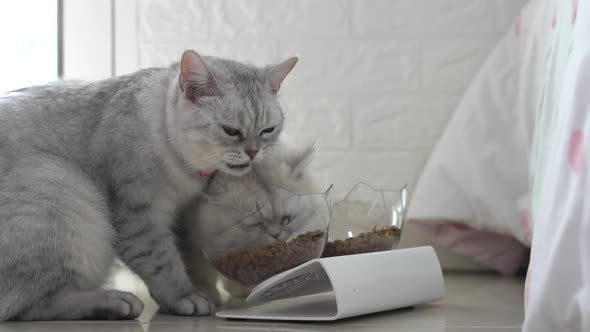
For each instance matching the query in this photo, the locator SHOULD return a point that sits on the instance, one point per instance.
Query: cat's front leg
(147, 245)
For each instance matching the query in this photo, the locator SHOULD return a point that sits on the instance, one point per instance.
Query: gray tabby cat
(220, 215)
(93, 170)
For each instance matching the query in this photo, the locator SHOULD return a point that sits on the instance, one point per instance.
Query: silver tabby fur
(225, 214)
(91, 171)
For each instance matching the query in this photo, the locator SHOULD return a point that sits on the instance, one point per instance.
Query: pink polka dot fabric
(557, 289)
(510, 170)
(576, 150)
(526, 224)
(574, 11)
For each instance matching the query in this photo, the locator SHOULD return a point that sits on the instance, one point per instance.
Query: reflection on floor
(474, 302)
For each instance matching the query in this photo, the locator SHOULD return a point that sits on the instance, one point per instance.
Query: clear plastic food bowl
(367, 220)
(285, 232)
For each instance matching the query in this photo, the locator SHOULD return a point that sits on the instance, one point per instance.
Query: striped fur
(91, 171)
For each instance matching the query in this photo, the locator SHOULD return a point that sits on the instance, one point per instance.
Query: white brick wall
(377, 79)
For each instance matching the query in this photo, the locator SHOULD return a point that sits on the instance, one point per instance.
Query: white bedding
(557, 291)
(513, 163)
(474, 188)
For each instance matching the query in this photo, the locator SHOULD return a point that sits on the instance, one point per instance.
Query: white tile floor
(474, 302)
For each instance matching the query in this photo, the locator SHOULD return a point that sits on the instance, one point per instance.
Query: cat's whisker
(272, 147)
(210, 159)
(211, 163)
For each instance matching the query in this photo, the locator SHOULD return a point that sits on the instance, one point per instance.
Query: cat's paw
(195, 304)
(119, 305)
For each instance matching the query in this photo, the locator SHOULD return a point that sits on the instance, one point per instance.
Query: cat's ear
(195, 80)
(298, 160)
(277, 74)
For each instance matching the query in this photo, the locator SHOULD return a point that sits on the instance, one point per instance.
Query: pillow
(473, 193)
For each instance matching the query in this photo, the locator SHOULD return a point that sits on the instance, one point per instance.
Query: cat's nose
(252, 153)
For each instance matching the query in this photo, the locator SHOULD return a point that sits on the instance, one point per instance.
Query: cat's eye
(285, 220)
(268, 131)
(231, 131)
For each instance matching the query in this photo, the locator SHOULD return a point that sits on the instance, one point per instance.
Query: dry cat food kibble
(377, 240)
(253, 265)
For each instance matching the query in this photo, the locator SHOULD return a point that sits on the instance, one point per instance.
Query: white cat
(226, 214)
